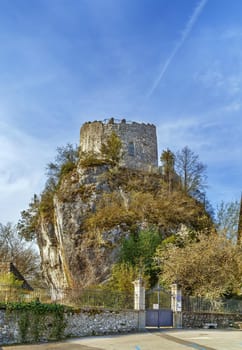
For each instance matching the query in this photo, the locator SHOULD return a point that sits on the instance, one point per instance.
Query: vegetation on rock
(111, 150)
(148, 208)
(65, 161)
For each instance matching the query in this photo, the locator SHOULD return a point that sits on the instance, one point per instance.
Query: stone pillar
(139, 294)
(139, 302)
(176, 305)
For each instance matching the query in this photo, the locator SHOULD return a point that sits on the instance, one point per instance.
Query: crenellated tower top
(139, 141)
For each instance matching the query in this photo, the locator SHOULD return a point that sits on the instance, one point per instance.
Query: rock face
(73, 255)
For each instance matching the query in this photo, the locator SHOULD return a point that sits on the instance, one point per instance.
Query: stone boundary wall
(83, 323)
(9, 333)
(105, 322)
(199, 319)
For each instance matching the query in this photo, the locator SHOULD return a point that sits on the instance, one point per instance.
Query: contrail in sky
(196, 13)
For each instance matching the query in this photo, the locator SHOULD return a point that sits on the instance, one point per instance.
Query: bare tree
(227, 219)
(191, 172)
(15, 249)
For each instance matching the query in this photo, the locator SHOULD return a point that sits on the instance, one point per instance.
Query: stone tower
(139, 141)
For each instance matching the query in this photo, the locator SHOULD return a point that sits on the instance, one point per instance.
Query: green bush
(46, 206)
(38, 321)
(66, 168)
(91, 159)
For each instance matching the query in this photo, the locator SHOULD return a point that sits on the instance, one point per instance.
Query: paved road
(151, 340)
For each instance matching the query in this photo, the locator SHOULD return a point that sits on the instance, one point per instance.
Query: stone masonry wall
(9, 333)
(198, 320)
(139, 141)
(90, 322)
(79, 324)
(105, 322)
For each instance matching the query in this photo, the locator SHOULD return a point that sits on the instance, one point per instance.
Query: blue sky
(177, 64)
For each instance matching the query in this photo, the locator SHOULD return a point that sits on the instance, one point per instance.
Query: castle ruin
(139, 141)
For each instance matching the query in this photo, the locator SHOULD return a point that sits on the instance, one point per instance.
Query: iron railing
(88, 298)
(107, 299)
(157, 298)
(199, 304)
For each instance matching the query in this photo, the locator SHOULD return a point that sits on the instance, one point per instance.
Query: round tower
(138, 139)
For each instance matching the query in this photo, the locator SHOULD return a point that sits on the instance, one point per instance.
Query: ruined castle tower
(139, 141)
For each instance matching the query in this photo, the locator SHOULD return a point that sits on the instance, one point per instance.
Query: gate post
(176, 305)
(139, 302)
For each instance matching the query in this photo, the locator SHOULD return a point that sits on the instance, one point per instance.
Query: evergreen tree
(168, 171)
(111, 150)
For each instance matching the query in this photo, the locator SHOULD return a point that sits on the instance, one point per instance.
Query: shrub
(91, 159)
(38, 321)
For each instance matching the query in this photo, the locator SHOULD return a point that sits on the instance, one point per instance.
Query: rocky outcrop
(94, 209)
(72, 256)
(72, 252)
(97, 203)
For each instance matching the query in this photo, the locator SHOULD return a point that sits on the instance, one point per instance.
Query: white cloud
(207, 135)
(219, 82)
(231, 33)
(211, 78)
(234, 106)
(182, 132)
(22, 163)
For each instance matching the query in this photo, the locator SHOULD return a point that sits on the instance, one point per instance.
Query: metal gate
(158, 310)
(159, 318)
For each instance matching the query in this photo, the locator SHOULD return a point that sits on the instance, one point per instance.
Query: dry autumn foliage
(209, 267)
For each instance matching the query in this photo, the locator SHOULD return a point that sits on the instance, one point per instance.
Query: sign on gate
(176, 301)
(164, 309)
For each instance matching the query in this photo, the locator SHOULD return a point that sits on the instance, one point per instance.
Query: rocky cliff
(94, 209)
(72, 255)
(95, 205)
